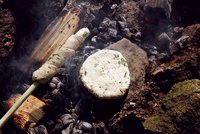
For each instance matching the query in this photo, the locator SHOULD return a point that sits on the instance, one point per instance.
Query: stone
(7, 32)
(122, 24)
(136, 58)
(160, 4)
(183, 63)
(131, 14)
(114, 6)
(112, 32)
(113, 24)
(68, 130)
(137, 62)
(85, 125)
(179, 112)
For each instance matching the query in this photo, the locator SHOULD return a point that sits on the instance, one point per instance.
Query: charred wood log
(54, 37)
(29, 113)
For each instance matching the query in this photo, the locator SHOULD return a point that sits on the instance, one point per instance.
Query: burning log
(49, 68)
(54, 37)
(29, 113)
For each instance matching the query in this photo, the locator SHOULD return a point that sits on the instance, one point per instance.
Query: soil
(70, 108)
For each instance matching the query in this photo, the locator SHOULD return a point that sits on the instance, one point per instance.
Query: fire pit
(159, 43)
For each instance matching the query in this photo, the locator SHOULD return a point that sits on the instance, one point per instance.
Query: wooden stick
(18, 103)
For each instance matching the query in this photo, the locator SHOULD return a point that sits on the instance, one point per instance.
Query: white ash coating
(106, 75)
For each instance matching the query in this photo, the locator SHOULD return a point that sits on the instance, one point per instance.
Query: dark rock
(113, 24)
(69, 129)
(55, 80)
(138, 35)
(179, 113)
(66, 119)
(164, 42)
(41, 129)
(77, 131)
(104, 25)
(85, 125)
(183, 64)
(114, 6)
(131, 14)
(136, 58)
(158, 5)
(182, 41)
(7, 32)
(112, 32)
(127, 124)
(125, 121)
(52, 85)
(193, 32)
(122, 24)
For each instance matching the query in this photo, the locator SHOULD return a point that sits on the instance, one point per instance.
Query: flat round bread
(105, 74)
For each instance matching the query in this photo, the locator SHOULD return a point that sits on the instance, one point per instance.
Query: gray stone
(85, 125)
(52, 85)
(69, 129)
(136, 58)
(55, 80)
(122, 24)
(112, 32)
(113, 24)
(162, 4)
(66, 119)
(180, 110)
(114, 6)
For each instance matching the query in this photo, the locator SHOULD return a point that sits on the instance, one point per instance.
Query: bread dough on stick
(57, 59)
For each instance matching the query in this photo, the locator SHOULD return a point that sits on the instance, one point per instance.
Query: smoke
(31, 19)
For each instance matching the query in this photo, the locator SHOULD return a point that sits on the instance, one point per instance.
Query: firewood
(29, 113)
(42, 75)
(54, 37)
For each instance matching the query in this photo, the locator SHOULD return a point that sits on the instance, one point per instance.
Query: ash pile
(160, 42)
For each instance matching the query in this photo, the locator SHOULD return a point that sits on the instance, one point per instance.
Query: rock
(183, 64)
(193, 32)
(180, 110)
(113, 24)
(52, 85)
(104, 24)
(85, 126)
(112, 32)
(7, 32)
(159, 4)
(182, 41)
(137, 62)
(131, 14)
(42, 130)
(114, 6)
(122, 24)
(66, 119)
(55, 80)
(68, 130)
(164, 42)
(136, 58)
